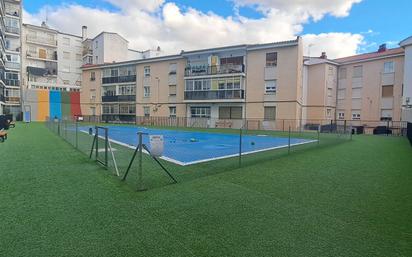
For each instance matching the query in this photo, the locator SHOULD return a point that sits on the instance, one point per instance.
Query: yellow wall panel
(43, 108)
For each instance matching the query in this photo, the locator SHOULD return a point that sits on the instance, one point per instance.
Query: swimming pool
(191, 147)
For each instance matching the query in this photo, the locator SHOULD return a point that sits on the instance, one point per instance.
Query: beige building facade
(263, 86)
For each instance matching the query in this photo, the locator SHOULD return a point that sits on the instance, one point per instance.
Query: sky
(338, 27)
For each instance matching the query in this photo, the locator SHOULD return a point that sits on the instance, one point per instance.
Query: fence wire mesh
(193, 152)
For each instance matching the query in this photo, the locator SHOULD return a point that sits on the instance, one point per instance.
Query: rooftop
(373, 55)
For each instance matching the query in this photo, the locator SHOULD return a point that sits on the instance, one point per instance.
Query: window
(341, 115)
(96, 44)
(147, 71)
(172, 111)
(109, 91)
(92, 76)
(270, 113)
(330, 70)
(93, 111)
(330, 92)
(357, 71)
(127, 90)
(238, 60)
(97, 60)
(341, 94)
(172, 68)
(328, 113)
(357, 93)
(271, 59)
(230, 113)
(146, 111)
(92, 94)
(200, 112)
(355, 115)
(172, 90)
(387, 91)
(342, 73)
(146, 91)
(270, 87)
(388, 67)
(66, 55)
(386, 115)
(66, 41)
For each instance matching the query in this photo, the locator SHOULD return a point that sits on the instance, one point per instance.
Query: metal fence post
(289, 142)
(76, 134)
(318, 134)
(240, 147)
(140, 186)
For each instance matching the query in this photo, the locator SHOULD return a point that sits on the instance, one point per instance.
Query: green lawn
(350, 199)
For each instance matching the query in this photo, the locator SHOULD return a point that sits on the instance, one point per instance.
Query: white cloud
(133, 5)
(151, 23)
(334, 44)
(314, 8)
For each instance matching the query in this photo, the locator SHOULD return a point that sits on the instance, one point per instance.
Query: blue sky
(377, 20)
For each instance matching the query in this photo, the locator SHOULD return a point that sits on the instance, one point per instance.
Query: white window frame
(146, 71)
(388, 67)
(271, 87)
(146, 91)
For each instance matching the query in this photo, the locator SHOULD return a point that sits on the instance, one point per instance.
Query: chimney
(44, 25)
(324, 56)
(84, 32)
(382, 48)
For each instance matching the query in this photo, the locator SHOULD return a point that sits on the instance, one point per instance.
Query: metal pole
(106, 138)
(140, 166)
(240, 148)
(77, 139)
(289, 142)
(97, 141)
(318, 134)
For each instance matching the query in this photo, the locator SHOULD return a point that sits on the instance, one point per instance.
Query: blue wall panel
(55, 104)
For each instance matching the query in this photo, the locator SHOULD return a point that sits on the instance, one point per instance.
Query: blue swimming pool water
(186, 147)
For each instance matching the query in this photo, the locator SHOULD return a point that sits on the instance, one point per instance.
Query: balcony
(41, 40)
(13, 65)
(87, 52)
(215, 95)
(12, 100)
(191, 71)
(13, 30)
(42, 56)
(121, 79)
(119, 98)
(12, 82)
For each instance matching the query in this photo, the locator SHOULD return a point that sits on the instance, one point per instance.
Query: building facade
(10, 55)
(252, 82)
(265, 86)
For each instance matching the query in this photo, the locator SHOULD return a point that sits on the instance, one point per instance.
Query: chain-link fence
(188, 152)
(387, 127)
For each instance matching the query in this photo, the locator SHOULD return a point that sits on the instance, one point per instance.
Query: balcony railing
(13, 30)
(37, 55)
(41, 40)
(119, 98)
(12, 82)
(87, 52)
(12, 99)
(215, 94)
(120, 79)
(13, 65)
(214, 70)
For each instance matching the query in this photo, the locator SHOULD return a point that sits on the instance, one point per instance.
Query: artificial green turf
(351, 199)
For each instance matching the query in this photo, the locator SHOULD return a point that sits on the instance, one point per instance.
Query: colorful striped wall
(53, 104)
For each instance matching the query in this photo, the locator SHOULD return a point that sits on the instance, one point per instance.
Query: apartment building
(108, 47)
(320, 89)
(10, 57)
(406, 44)
(253, 82)
(370, 85)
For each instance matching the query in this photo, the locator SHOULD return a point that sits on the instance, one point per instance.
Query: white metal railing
(13, 65)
